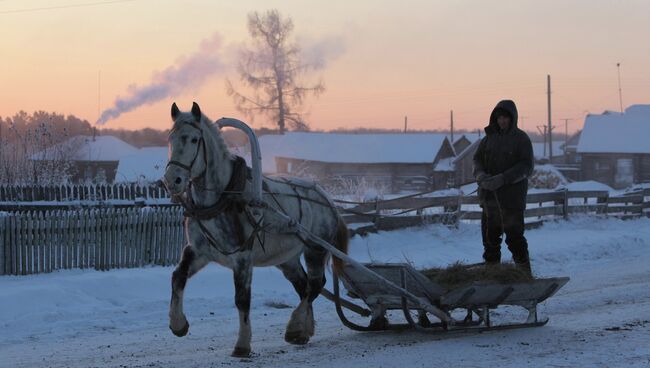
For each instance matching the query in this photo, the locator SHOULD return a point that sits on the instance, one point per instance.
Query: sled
(477, 299)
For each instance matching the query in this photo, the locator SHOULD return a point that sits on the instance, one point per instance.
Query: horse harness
(232, 202)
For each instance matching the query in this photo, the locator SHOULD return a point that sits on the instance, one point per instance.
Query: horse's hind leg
(190, 264)
(315, 259)
(297, 329)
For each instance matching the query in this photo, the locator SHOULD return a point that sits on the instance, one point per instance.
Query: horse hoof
(241, 352)
(183, 331)
(296, 338)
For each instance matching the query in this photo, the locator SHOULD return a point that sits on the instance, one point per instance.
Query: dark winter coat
(509, 153)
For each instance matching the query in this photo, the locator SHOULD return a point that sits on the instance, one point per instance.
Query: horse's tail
(341, 240)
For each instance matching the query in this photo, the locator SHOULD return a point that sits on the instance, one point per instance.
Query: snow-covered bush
(546, 177)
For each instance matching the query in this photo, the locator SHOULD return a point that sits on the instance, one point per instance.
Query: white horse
(221, 227)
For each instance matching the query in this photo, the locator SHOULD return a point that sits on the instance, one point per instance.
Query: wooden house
(614, 147)
(396, 162)
(92, 158)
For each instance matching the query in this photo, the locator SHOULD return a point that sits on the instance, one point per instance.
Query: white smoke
(317, 52)
(187, 74)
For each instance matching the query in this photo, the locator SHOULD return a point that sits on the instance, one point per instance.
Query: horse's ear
(196, 112)
(175, 111)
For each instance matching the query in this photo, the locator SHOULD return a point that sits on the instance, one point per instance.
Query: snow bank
(588, 185)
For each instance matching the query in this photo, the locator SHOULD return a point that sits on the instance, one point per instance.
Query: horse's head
(185, 148)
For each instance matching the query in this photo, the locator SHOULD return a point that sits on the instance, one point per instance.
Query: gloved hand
(481, 176)
(493, 182)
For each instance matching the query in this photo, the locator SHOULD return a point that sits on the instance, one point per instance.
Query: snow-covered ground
(119, 318)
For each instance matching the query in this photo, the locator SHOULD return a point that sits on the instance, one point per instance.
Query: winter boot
(525, 267)
(492, 256)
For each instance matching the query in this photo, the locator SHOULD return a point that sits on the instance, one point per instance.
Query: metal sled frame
(477, 299)
(399, 286)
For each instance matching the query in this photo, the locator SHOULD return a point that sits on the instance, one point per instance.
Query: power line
(31, 10)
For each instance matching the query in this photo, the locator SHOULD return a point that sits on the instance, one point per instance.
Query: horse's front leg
(243, 274)
(190, 264)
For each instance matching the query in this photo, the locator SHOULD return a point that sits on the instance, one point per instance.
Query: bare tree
(272, 68)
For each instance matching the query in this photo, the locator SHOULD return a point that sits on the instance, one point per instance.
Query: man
(502, 164)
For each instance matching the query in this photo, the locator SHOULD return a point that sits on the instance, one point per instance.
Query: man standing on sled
(502, 164)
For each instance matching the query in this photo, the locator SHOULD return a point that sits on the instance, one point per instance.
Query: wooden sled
(386, 286)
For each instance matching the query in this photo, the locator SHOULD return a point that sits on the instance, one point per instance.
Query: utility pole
(550, 125)
(406, 122)
(99, 94)
(452, 127)
(542, 130)
(620, 92)
(566, 137)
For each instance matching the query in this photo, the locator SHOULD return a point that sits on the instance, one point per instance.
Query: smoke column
(187, 74)
(318, 52)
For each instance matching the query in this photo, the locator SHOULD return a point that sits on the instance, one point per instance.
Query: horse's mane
(211, 132)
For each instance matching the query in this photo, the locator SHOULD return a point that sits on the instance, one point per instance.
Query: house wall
(461, 144)
(618, 170)
(464, 167)
(84, 171)
(643, 168)
(90, 170)
(394, 177)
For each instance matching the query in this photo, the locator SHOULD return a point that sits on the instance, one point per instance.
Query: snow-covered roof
(146, 165)
(469, 149)
(472, 137)
(445, 164)
(351, 148)
(87, 148)
(539, 148)
(613, 132)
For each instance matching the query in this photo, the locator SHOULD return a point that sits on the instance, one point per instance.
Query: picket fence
(100, 238)
(81, 192)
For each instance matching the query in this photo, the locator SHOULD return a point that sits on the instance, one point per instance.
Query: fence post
(604, 200)
(2, 243)
(565, 206)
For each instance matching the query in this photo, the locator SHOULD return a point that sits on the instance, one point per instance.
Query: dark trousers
(494, 223)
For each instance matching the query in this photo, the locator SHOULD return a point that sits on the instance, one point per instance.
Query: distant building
(464, 164)
(94, 158)
(541, 152)
(614, 148)
(571, 155)
(147, 165)
(395, 161)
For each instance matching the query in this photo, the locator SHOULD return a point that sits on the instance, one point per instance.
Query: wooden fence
(100, 238)
(81, 192)
(418, 210)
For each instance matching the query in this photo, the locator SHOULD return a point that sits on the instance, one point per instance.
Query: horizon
(436, 63)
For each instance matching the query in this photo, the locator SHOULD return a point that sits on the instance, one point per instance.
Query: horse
(221, 226)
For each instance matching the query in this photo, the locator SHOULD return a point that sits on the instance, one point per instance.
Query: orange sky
(415, 58)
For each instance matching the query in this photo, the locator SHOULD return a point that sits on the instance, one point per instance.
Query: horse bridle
(200, 147)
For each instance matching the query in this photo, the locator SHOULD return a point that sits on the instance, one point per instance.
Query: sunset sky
(387, 59)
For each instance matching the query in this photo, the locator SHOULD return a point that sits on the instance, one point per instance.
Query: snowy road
(119, 318)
